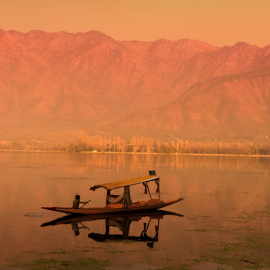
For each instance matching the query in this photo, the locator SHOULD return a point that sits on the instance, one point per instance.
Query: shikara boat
(122, 203)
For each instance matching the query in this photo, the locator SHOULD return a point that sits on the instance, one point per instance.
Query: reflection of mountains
(120, 221)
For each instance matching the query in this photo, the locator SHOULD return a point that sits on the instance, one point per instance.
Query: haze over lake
(224, 219)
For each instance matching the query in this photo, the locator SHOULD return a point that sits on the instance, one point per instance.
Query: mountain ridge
(90, 81)
(184, 118)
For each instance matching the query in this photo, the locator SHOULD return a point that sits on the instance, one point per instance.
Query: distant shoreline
(131, 153)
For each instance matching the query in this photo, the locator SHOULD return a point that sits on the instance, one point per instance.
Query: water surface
(224, 220)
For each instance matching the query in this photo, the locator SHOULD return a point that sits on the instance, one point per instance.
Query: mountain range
(51, 83)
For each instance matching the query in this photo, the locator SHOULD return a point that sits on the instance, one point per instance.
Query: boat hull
(109, 210)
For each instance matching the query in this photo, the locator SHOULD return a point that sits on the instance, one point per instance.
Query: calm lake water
(223, 222)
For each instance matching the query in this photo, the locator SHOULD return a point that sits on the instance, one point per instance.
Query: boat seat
(147, 202)
(114, 205)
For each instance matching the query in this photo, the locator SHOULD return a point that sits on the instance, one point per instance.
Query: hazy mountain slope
(227, 107)
(241, 57)
(30, 87)
(123, 75)
(51, 81)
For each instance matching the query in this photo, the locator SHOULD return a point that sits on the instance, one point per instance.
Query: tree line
(143, 144)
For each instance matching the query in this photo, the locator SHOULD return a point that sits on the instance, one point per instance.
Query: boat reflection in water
(120, 221)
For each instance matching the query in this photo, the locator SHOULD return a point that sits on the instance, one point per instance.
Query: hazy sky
(218, 22)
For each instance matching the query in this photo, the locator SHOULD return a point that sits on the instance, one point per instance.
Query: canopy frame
(125, 183)
(129, 182)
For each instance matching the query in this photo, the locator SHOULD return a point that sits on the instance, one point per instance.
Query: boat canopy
(125, 183)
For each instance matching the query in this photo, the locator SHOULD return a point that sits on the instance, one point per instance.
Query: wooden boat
(126, 205)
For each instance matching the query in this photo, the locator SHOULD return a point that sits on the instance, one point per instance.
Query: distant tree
(71, 148)
(265, 150)
(124, 146)
(156, 149)
(173, 144)
(129, 148)
(113, 148)
(158, 144)
(118, 141)
(78, 148)
(133, 140)
(143, 148)
(167, 149)
(16, 146)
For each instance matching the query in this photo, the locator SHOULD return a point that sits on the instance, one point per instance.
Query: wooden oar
(85, 204)
(83, 226)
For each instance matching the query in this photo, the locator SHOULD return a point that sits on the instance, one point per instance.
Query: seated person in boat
(77, 202)
(123, 199)
(115, 198)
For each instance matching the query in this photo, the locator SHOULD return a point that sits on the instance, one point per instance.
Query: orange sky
(218, 22)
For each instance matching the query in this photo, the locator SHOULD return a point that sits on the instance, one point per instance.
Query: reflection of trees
(117, 161)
